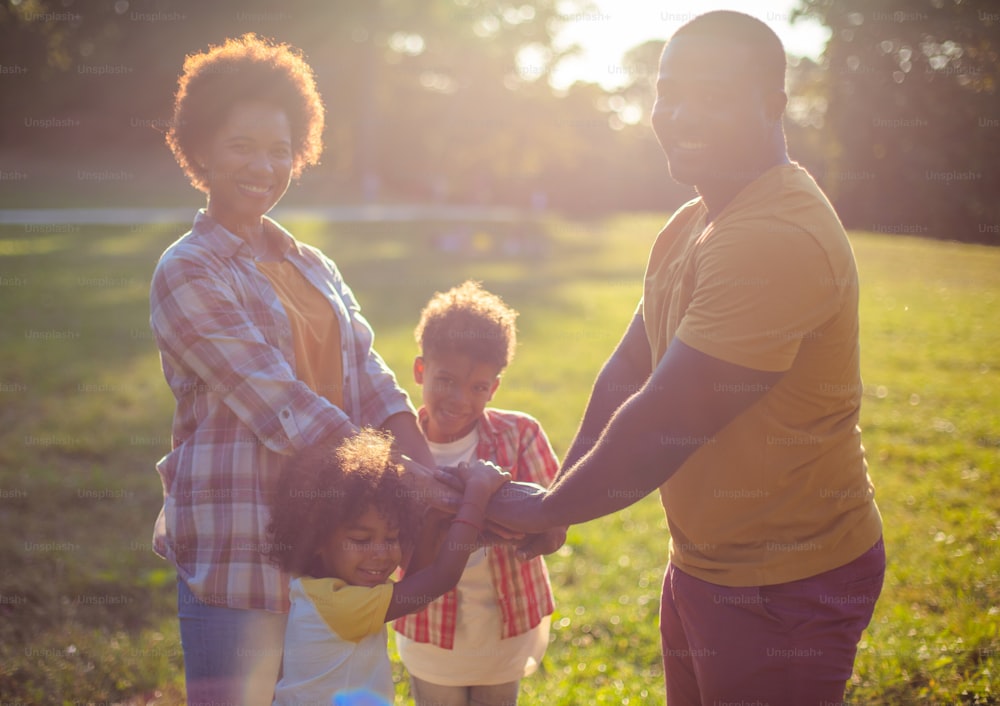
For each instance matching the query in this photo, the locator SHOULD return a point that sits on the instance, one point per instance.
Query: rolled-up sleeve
(379, 392)
(202, 328)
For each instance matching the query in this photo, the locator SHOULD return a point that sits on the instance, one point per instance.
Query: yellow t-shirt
(783, 492)
(315, 330)
(335, 641)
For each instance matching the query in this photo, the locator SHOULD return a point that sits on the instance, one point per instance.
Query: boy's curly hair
(247, 68)
(468, 319)
(328, 485)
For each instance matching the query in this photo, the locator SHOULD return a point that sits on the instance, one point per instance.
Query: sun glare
(607, 32)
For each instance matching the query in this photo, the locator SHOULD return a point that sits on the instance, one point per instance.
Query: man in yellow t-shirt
(736, 391)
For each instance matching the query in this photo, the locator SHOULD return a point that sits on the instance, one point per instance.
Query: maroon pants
(791, 643)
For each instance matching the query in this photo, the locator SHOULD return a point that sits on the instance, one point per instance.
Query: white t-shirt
(479, 655)
(335, 641)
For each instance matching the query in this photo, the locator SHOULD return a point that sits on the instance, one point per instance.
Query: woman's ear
(418, 369)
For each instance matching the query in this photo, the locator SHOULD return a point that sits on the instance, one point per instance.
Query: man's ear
(418, 369)
(774, 105)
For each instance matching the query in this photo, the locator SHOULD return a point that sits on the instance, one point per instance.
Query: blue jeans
(427, 694)
(231, 657)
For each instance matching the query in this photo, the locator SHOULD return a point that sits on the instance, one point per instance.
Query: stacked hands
(482, 494)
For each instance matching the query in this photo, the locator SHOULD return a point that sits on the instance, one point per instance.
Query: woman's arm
(427, 484)
(211, 344)
(408, 439)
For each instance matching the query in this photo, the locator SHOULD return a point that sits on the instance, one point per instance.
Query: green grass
(86, 610)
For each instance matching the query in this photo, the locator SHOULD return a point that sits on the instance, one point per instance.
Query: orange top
(315, 330)
(782, 492)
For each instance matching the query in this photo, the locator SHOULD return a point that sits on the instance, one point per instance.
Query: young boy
(475, 643)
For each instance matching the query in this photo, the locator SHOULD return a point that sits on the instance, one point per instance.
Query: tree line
(899, 120)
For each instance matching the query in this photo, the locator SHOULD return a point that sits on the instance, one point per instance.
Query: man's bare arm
(623, 374)
(689, 398)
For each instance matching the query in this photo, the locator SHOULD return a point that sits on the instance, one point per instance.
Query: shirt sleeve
(353, 612)
(536, 460)
(757, 296)
(381, 395)
(200, 322)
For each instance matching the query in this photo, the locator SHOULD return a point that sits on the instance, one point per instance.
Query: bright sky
(618, 25)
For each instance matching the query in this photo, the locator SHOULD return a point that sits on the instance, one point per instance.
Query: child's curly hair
(467, 319)
(247, 68)
(328, 485)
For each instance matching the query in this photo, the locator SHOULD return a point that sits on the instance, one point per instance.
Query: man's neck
(717, 195)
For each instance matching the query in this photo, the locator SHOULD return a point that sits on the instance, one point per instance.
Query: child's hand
(482, 476)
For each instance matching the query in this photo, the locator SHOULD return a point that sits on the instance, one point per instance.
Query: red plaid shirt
(227, 353)
(515, 442)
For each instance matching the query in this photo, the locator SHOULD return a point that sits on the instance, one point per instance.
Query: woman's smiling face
(249, 163)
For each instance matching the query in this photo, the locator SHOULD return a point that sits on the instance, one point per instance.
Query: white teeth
(255, 189)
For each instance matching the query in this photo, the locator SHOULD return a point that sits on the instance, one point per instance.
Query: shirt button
(285, 414)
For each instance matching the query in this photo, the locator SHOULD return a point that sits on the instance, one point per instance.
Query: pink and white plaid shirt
(227, 353)
(516, 442)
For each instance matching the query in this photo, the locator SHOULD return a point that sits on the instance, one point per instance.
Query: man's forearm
(624, 467)
(616, 382)
(629, 461)
(624, 373)
(684, 404)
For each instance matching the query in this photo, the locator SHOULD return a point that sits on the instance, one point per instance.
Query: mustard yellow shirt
(783, 492)
(315, 330)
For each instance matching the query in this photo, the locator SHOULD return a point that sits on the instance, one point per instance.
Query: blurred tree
(911, 116)
(439, 98)
(642, 63)
(805, 116)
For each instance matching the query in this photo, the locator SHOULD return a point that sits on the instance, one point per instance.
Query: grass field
(86, 612)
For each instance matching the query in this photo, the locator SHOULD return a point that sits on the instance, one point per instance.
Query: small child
(338, 516)
(473, 645)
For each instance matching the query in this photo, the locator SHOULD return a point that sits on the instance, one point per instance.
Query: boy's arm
(416, 590)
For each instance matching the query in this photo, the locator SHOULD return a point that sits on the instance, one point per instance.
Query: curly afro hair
(328, 485)
(247, 68)
(467, 319)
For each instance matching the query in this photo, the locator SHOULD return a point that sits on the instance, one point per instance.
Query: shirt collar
(227, 244)
(487, 430)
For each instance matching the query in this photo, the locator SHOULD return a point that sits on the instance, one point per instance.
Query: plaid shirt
(227, 353)
(515, 442)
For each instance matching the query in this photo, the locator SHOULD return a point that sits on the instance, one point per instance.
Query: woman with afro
(266, 352)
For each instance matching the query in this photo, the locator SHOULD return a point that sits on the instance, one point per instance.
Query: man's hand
(517, 506)
(546, 542)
